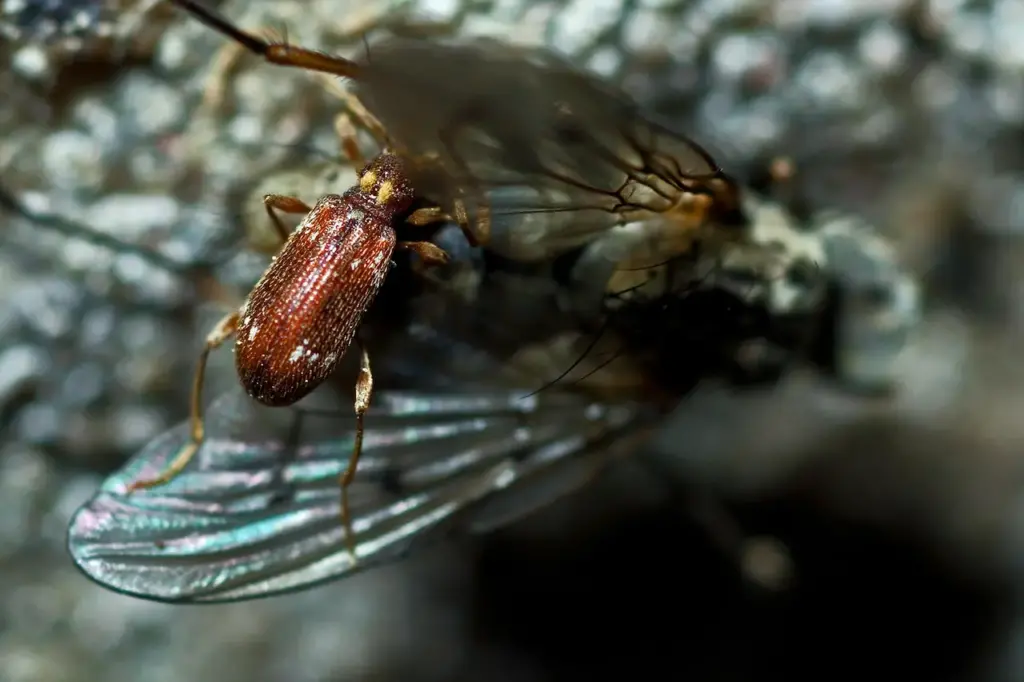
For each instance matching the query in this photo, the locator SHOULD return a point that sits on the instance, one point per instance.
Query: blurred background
(796, 531)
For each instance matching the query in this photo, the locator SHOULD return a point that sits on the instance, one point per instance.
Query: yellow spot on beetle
(367, 180)
(385, 192)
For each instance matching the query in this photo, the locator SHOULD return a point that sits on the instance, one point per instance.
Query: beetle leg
(285, 204)
(427, 216)
(223, 331)
(364, 391)
(430, 254)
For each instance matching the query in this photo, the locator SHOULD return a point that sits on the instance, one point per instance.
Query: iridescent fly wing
(521, 129)
(257, 511)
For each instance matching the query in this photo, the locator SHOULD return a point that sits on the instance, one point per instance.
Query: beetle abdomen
(302, 315)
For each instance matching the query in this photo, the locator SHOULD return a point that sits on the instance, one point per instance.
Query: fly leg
(223, 331)
(275, 52)
(364, 391)
(224, 62)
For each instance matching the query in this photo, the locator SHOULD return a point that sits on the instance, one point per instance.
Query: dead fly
(461, 439)
(517, 127)
(585, 208)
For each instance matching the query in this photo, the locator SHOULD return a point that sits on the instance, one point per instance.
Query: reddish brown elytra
(303, 314)
(301, 317)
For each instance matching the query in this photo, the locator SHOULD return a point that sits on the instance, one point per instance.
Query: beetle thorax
(385, 182)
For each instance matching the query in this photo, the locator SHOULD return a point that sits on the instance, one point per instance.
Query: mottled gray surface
(906, 113)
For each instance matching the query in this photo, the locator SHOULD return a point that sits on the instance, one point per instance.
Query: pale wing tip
(99, 557)
(160, 548)
(105, 542)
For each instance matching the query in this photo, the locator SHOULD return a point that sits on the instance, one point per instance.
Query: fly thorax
(779, 262)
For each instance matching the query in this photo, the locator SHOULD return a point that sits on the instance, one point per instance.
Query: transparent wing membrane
(528, 132)
(257, 512)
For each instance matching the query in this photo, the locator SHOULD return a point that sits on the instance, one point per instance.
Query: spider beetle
(301, 317)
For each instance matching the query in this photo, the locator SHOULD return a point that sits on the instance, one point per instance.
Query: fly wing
(522, 130)
(257, 511)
